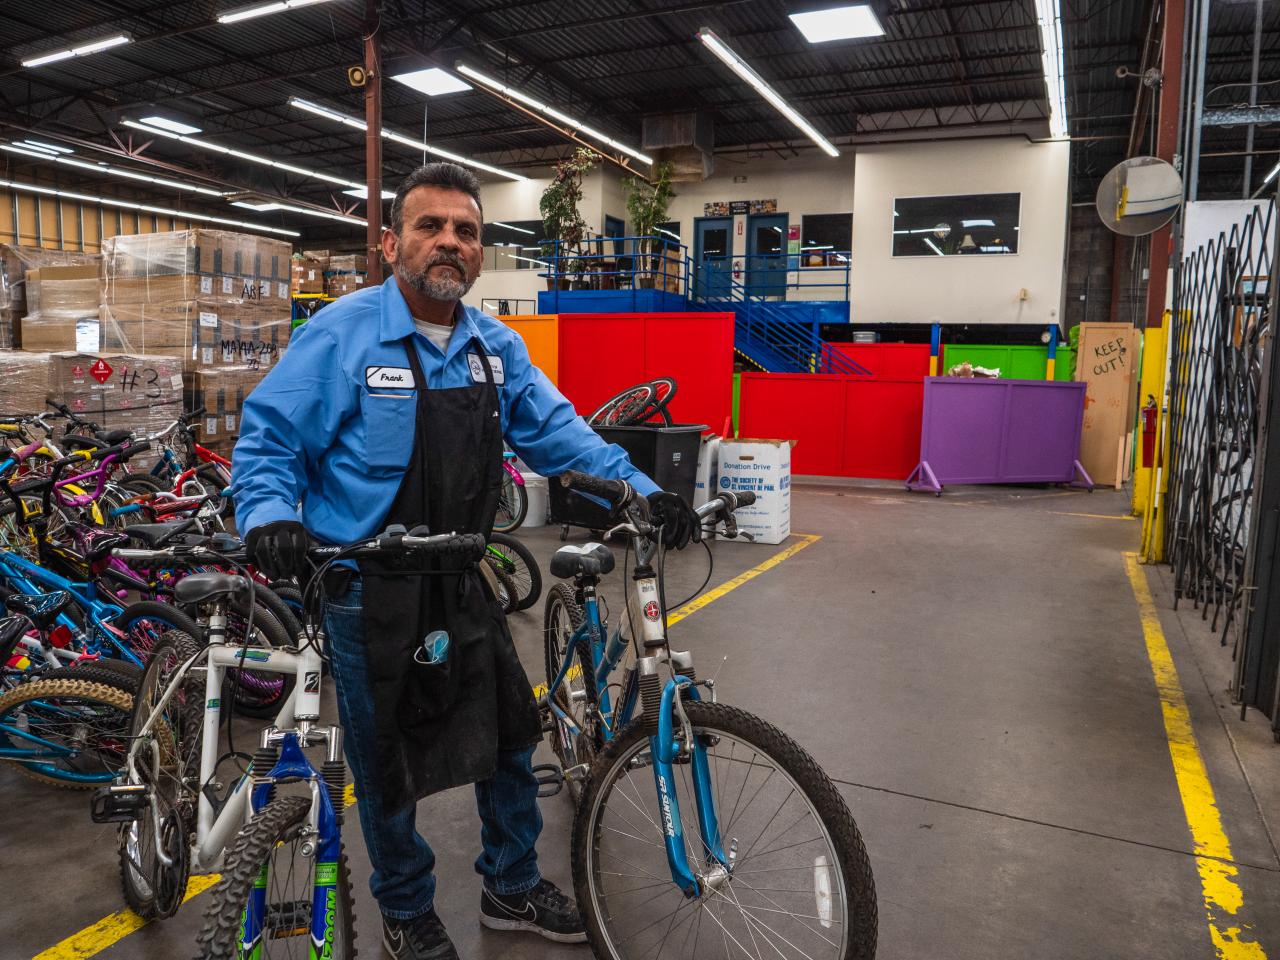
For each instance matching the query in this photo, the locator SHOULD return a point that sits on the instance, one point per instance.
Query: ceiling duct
(686, 139)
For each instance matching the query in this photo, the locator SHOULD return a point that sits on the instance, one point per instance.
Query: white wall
(979, 289)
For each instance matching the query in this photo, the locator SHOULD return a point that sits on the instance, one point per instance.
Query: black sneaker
(544, 910)
(422, 938)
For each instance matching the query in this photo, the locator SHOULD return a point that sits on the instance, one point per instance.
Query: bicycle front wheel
(513, 504)
(267, 857)
(508, 555)
(798, 885)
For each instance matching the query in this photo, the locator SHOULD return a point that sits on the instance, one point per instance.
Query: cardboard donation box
(764, 468)
(62, 309)
(704, 480)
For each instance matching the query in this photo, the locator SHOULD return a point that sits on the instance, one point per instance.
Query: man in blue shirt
(391, 406)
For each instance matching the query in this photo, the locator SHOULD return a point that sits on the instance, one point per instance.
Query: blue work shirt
(327, 435)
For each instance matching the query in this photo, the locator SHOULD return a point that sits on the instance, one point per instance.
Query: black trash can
(669, 455)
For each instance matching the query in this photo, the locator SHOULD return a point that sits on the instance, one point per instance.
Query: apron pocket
(430, 689)
(388, 427)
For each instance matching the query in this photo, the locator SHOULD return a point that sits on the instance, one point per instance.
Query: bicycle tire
(253, 693)
(151, 889)
(146, 621)
(140, 483)
(720, 723)
(250, 854)
(569, 751)
(656, 405)
(513, 504)
(113, 673)
(617, 410)
(507, 592)
(520, 565)
(111, 702)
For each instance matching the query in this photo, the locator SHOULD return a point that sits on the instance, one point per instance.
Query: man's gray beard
(446, 289)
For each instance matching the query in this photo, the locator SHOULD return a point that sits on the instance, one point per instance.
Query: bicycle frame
(42, 749)
(664, 748)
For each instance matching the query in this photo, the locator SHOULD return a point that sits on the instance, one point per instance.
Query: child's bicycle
(701, 830)
(275, 832)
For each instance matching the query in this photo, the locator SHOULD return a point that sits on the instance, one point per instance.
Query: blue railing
(769, 276)
(617, 263)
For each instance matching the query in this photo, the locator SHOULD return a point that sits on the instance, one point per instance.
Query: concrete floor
(971, 671)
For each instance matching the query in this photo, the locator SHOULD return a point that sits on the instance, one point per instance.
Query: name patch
(477, 370)
(389, 378)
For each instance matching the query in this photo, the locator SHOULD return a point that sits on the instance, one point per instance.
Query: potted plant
(561, 219)
(647, 205)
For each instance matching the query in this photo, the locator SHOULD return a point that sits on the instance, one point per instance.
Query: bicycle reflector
(60, 636)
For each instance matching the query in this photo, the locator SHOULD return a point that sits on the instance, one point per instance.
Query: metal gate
(1223, 499)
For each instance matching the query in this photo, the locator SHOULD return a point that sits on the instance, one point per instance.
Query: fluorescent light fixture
(83, 50)
(562, 118)
(144, 208)
(417, 145)
(260, 207)
(499, 223)
(109, 170)
(739, 66)
(1049, 19)
(363, 194)
(824, 246)
(263, 9)
(933, 246)
(977, 223)
(165, 123)
(851, 22)
(541, 263)
(1272, 175)
(432, 81)
(44, 147)
(203, 144)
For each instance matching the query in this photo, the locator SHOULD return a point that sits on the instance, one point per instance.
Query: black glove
(679, 523)
(279, 550)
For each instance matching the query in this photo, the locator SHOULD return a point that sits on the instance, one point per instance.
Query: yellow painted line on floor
(1091, 516)
(110, 930)
(805, 539)
(1223, 898)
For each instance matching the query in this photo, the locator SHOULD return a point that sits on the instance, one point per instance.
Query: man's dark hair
(447, 175)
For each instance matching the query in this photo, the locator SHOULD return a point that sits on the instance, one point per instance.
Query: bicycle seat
(12, 630)
(40, 608)
(200, 587)
(151, 534)
(76, 442)
(102, 544)
(590, 559)
(112, 437)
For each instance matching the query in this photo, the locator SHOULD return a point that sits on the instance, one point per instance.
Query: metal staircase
(767, 337)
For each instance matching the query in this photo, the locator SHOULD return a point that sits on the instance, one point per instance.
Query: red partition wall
(894, 360)
(602, 354)
(845, 426)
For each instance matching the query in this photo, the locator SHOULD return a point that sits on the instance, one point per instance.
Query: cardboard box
(340, 284)
(24, 381)
(15, 261)
(349, 263)
(221, 392)
(192, 265)
(203, 333)
(62, 305)
(142, 394)
(763, 467)
(51, 332)
(708, 469)
(307, 276)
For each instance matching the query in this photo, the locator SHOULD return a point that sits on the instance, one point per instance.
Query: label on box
(282, 291)
(230, 421)
(210, 426)
(208, 319)
(176, 381)
(227, 285)
(100, 370)
(206, 354)
(229, 352)
(206, 284)
(86, 336)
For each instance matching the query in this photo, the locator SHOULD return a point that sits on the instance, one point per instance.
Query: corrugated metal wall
(67, 225)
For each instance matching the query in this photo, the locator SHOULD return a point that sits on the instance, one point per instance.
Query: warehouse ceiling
(944, 68)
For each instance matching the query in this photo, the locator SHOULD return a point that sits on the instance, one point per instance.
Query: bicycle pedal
(119, 803)
(580, 772)
(550, 779)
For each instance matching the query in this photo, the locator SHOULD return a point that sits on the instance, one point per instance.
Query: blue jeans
(403, 880)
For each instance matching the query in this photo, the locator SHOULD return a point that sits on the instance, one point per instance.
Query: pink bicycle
(513, 501)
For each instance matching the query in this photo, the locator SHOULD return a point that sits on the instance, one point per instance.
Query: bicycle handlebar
(463, 547)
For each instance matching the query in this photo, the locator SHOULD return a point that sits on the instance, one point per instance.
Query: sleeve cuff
(262, 514)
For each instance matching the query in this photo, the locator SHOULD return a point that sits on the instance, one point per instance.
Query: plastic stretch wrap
(214, 265)
(203, 333)
(221, 392)
(15, 261)
(24, 382)
(62, 309)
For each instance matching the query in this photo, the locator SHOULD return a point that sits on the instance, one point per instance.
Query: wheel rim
(571, 696)
(514, 569)
(784, 899)
(93, 733)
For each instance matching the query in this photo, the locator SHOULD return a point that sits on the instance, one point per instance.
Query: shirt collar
(397, 321)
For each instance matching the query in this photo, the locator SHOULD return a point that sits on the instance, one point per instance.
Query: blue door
(713, 258)
(767, 255)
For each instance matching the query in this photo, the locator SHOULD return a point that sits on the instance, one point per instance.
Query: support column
(373, 142)
(1166, 146)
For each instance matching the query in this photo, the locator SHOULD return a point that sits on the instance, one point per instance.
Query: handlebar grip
(139, 446)
(744, 499)
(617, 492)
(194, 414)
(68, 461)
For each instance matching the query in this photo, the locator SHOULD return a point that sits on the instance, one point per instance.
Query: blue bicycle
(701, 831)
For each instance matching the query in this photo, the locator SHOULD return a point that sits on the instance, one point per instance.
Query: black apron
(440, 726)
